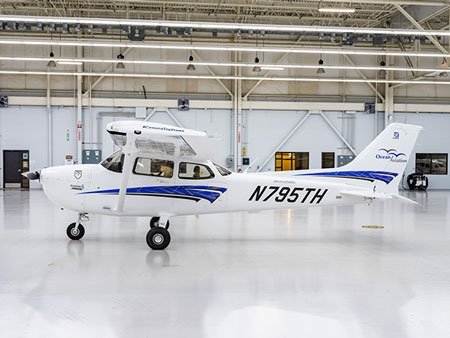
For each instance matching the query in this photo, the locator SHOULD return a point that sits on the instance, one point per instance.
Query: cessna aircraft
(162, 171)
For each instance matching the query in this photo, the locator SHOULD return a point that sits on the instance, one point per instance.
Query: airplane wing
(160, 139)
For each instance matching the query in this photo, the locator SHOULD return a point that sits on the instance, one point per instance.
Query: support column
(237, 114)
(49, 125)
(389, 97)
(239, 117)
(79, 108)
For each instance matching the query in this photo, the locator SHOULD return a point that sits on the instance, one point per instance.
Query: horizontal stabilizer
(366, 194)
(407, 200)
(376, 195)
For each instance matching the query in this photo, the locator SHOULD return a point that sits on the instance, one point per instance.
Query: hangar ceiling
(364, 41)
(293, 12)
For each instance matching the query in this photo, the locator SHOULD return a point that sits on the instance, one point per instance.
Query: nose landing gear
(155, 222)
(75, 231)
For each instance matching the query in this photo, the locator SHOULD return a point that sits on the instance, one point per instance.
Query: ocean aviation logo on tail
(390, 154)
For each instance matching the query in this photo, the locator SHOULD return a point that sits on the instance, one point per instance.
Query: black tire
(155, 220)
(73, 234)
(158, 238)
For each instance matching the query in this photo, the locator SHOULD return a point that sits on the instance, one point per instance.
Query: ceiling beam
(432, 38)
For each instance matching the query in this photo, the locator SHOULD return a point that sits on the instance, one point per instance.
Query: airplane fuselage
(94, 189)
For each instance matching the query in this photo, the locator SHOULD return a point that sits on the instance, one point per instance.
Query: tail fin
(385, 158)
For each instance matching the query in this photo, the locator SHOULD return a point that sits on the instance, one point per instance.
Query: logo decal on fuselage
(391, 154)
(77, 174)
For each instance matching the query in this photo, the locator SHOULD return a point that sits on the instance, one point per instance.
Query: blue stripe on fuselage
(383, 176)
(209, 193)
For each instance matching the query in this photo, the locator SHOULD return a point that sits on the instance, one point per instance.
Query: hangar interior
(279, 85)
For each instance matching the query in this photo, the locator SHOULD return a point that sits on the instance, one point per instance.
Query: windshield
(222, 170)
(114, 162)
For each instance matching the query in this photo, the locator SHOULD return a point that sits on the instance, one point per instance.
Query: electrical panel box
(183, 104)
(92, 156)
(344, 159)
(3, 101)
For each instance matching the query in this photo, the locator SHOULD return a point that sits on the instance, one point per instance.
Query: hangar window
(194, 171)
(291, 161)
(431, 164)
(327, 160)
(153, 167)
(114, 162)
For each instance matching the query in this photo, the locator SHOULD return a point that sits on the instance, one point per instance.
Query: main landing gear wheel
(74, 233)
(154, 222)
(158, 238)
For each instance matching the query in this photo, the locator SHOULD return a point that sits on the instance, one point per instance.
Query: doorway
(15, 162)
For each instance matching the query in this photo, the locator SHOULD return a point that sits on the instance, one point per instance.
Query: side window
(194, 171)
(153, 167)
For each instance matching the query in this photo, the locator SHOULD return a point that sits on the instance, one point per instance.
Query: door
(15, 162)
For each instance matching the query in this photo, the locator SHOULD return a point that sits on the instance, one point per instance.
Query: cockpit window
(114, 162)
(222, 170)
(194, 171)
(153, 167)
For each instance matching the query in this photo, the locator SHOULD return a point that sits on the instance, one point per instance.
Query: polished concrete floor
(304, 273)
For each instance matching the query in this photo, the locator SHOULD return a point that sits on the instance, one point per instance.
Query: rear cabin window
(114, 162)
(194, 171)
(153, 167)
(222, 170)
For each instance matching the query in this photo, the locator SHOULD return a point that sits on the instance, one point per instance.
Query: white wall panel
(26, 128)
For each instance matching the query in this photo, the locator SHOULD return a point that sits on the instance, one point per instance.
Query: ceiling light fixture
(225, 64)
(191, 66)
(271, 68)
(222, 26)
(224, 77)
(51, 63)
(72, 63)
(324, 9)
(320, 70)
(256, 67)
(120, 64)
(243, 48)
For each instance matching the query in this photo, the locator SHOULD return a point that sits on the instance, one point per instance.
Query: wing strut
(130, 151)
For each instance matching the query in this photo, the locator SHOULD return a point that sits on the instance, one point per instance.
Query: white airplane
(162, 171)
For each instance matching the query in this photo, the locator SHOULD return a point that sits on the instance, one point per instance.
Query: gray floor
(308, 273)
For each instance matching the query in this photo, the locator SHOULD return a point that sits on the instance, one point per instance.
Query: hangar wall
(26, 127)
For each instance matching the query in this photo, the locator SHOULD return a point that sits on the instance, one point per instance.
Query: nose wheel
(75, 231)
(158, 238)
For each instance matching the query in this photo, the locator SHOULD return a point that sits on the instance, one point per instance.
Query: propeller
(32, 175)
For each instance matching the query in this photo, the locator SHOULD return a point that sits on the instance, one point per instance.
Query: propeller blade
(32, 175)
